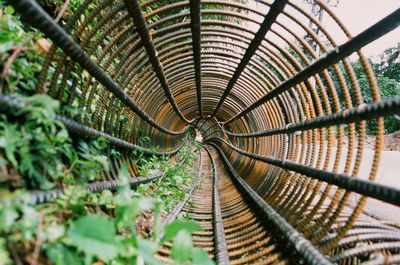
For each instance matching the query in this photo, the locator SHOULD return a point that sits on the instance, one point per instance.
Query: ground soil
(392, 142)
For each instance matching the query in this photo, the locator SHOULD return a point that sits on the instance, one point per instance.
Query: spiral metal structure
(282, 117)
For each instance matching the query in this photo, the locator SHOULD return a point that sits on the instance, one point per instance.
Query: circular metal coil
(286, 111)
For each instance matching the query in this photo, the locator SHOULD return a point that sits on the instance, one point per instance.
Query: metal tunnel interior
(282, 117)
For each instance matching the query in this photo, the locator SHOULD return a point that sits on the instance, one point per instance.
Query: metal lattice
(281, 115)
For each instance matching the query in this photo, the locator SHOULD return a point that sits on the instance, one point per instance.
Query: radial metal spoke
(374, 32)
(219, 241)
(136, 13)
(301, 244)
(363, 112)
(270, 18)
(81, 130)
(350, 183)
(195, 25)
(37, 17)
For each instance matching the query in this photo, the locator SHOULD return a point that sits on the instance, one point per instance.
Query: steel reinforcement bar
(276, 9)
(179, 206)
(195, 26)
(37, 17)
(220, 60)
(304, 247)
(374, 32)
(135, 11)
(37, 197)
(78, 129)
(360, 113)
(221, 249)
(350, 183)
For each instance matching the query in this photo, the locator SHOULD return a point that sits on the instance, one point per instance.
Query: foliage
(388, 76)
(178, 176)
(32, 143)
(15, 41)
(95, 236)
(69, 235)
(388, 85)
(389, 88)
(38, 147)
(53, 7)
(4, 257)
(389, 64)
(387, 72)
(66, 228)
(36, 152)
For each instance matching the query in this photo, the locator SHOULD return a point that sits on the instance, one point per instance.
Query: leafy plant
(183, 250)
(388, 85)
(96, 236)
(38, 147)
(37, 152)
(19, 63)
(4, 257)
(83, 227)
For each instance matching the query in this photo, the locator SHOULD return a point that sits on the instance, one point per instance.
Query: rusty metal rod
(37, 17)
(195, 25)
(374, 32)
(179, 206)
(350, 183)
(270, 18)
(360, 113)
(135, 11)
(38, 197)
(78, 129)
(219, 238)
(303, 246)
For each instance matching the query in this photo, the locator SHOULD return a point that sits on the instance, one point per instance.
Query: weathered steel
(289, 111)
(219, 239)
(377, 30)
(310, 254)
(350, 183)
(195, 25)
(276, 9)
(10, 103)
(135, 11)
(35, 15)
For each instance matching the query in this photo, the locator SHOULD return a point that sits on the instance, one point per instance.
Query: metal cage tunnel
(282, 116)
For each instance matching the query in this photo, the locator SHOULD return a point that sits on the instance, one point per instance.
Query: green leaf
(124, 214)
(30, 216)
(9, 10)
(4, 256)
(147, 249)
(54, 232)
(123, 174)
(173, 228)
(182, 249)
(178, 179)
(8, 215)
(200, 257)
(95, 235)
(9, 141)
(102, 160)
(61, 255)
(46, 102)
(127, 210)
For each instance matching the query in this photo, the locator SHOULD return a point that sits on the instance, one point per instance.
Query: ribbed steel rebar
(369, 35)
(302, 245)
(364, 187)
(285, 107)
(221, 251)
(35, 15)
